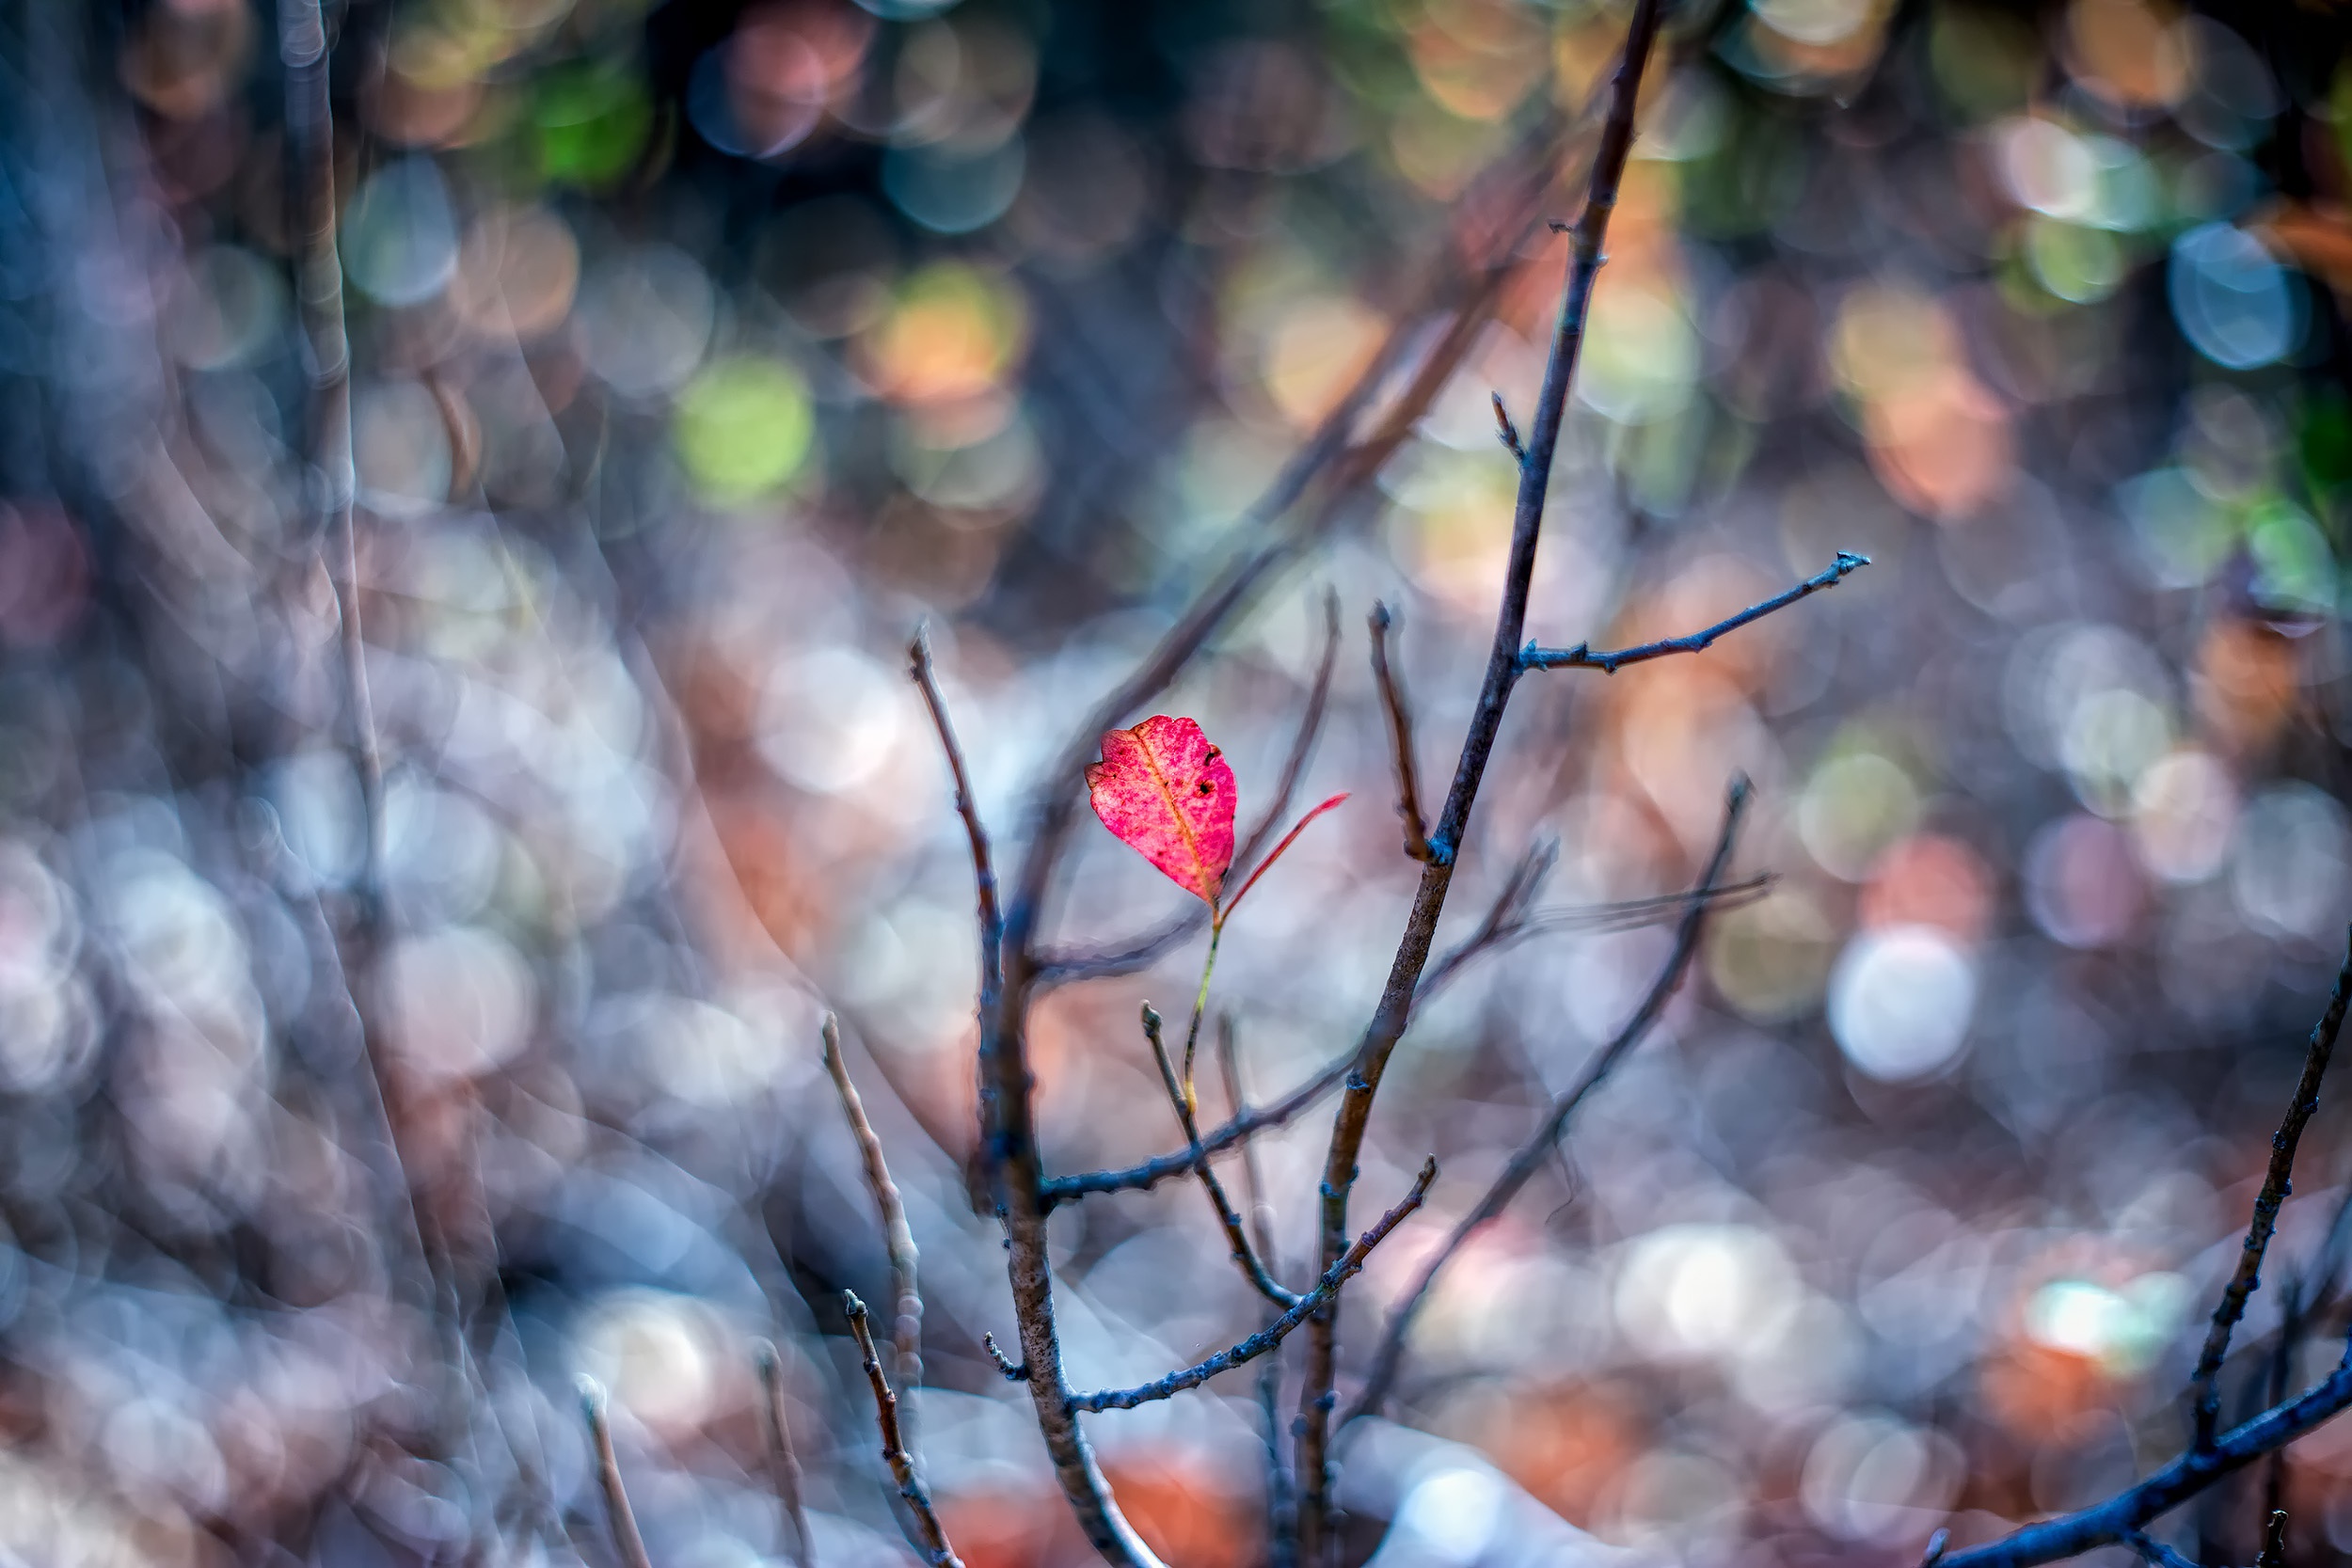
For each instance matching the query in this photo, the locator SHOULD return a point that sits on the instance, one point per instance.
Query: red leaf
(1168, 795)
(1288, 839)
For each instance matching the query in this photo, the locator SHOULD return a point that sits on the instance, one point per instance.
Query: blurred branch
(1059, 968)
(2155, 1552)
(1236, 1239)
(1538, 1147)
(983, 867)
(1581, 656)
(1400, 718)
(2205, 1383)
(898, 1235)
(627, 1543)
(1351, 1263)
(930, 1536)
(1394, 1010)
(784, 1462)
(1281, 1501)
(1152, 1172)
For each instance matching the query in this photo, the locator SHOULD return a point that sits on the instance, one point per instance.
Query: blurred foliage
(700, 349)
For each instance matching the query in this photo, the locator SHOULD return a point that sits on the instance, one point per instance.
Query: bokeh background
(700, 350)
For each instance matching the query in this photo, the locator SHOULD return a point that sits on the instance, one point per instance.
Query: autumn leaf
(1168, 795)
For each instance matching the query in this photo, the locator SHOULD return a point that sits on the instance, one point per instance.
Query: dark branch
(1400, 717)
(1538, 1147)
(628, 1544)
(2277, 1182)
(1394, 1010)
(931, 1538)
(2073, 1534)
(1106, 963)
(1152, 1172)
(1581, 656)
(1351, 1263)
(2274, 1552)
(784, 1462)
(906, 1337)
(1236, 1239)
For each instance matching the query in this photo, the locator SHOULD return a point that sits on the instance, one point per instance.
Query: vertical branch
(784, 1462)
(1282, 1503)
(627, 1543)
(898, 1235)
(1400, 735)
(984, 866)
(933, 1538)
(2205, 1383)
(1394, 1011)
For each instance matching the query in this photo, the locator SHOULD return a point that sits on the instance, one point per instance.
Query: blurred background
(700, 350)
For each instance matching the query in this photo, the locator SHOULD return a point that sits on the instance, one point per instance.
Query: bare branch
(1400, 717)
(1152, 1172)
(1532, 1154)
(898, 1235)
(931, 1538)
(2073, 1534)
(2274, 1552)
(1104, 963)
(1351, 1263)
(1581, 656)
(2277, 1182)
(1280, 1498)
(627, 1543)
(1236, 1239)
(983, 866)
(1394, 1011)
(1014, 1371)
(784, 1462)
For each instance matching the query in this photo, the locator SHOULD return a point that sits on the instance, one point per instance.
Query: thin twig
(1239, 1128)
(1581, 656)
(1539, 1145)
(784, 1462)
(1061, 968)
(1394, 1010)
(2205, 1383)
(627, 1543)
(898, 1235)
(1014, 1371)
(1351, 1263)
(1236, 1239)
(1400, 715)
(932, 1539)
(983, 866)
(1282, 1503)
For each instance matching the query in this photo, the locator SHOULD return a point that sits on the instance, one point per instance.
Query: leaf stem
(1199, 1007)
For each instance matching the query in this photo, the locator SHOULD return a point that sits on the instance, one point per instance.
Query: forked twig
(2277, 1182)
(1582, 656)
(627, 1543)
(932, 1539)
(1351, 1263)
(1532, 1154)
(906, 1335)
(1236, 1239)
(1400, 717)
(784, 1462)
